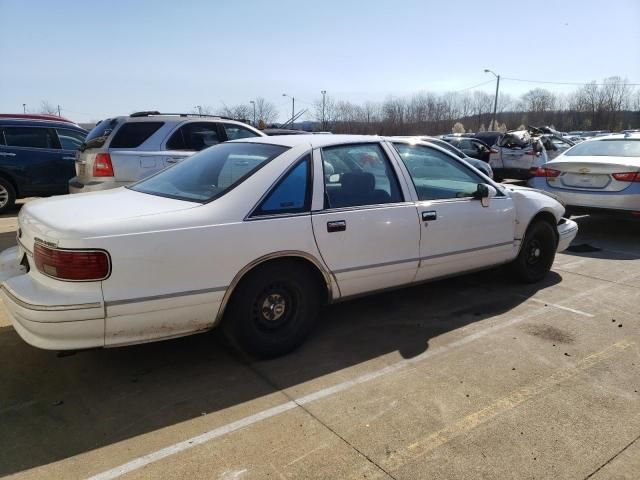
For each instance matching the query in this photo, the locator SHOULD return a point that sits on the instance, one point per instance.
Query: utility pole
(324, 93)
(293, 107)
(24, 108)
(199, 109)
(495, 101)
(253, 102)
(58, 110)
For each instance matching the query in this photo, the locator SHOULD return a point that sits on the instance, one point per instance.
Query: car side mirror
(485, 193)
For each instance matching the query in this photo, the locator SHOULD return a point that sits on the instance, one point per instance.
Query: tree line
(611, 105)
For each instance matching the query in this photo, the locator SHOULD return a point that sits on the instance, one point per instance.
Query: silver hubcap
(273, 307)
(4, 196)
(536, 252)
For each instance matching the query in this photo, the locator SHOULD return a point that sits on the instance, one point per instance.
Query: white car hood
(85, 214)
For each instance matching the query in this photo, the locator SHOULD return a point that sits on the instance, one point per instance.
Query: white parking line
(555, 305)
(323, 393)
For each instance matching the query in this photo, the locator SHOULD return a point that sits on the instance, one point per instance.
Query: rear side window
(194, 136)
(292, 194)
(235, 132)
(70, 139)
(30, 137)
(134, 134)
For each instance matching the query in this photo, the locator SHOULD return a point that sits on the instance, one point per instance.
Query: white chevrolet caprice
(257, 234)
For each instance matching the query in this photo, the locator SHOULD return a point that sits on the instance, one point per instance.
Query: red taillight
(627, 176)
(545, 172)
(102, 166)
(75, 265)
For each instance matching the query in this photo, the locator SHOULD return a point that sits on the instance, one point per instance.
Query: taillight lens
(545, 172)
(74, 265)
(627, 176)
(102, 166)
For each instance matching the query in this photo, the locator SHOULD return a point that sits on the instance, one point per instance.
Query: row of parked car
(43, 155)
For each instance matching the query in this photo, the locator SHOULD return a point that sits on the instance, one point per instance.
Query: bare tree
(48, 108)
(237, 112)
(266, 111)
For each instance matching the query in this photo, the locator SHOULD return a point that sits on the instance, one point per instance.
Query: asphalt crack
(612, 458)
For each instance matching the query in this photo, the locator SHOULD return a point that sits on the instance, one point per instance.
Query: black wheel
(7, 196)
(273, 309)
(537, 253)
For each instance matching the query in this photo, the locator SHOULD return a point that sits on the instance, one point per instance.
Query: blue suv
(37, 157)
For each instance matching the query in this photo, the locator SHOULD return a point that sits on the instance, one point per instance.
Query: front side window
(134, 134)
(292, 194)
(211, 173)
(435, 175)
(234, 132)
(194, 136)
(30, 137)
(357, 175)
(70, 139)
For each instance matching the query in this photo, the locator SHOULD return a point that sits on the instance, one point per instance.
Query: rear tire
(536, 254)
(273, 309)
(7, 196)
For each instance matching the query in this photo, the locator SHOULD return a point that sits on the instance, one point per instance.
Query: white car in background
(257, 234)
(598, 175)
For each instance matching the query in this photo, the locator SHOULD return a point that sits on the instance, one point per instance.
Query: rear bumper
(79, 186)
(625, 201)
(47, 318)
(567, 231)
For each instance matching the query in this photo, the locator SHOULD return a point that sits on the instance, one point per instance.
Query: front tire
(273, 309)
(537, 253)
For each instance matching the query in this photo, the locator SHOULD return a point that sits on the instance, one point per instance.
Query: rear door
(367, 231)
(70, 141)
(31, 155)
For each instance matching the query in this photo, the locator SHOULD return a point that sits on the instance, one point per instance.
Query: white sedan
(256, 234)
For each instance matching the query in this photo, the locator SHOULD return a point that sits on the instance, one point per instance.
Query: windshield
(211, 172)
(606, 148)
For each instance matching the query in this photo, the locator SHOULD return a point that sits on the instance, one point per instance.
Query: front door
(367, 233)
(457, 233)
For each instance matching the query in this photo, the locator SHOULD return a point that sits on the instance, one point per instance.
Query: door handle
(68, 158)
(429, 216)
(173, 160)
(336, 226)
(7, 154)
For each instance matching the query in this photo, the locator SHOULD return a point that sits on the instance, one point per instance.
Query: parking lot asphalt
(471, 377)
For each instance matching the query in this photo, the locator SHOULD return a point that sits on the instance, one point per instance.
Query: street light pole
(324, 93)
(199, 109)
(293, 107)
(24, 108)
(252, 102)
(495, 101)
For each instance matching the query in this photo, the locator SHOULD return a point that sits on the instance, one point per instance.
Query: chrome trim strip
(113, 303)
(408, 260)
(376, 265)
(468, 250)
(45, 308)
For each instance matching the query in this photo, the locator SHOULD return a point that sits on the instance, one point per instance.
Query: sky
(98, 59)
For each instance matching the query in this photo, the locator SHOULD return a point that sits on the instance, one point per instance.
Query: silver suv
(123, 150)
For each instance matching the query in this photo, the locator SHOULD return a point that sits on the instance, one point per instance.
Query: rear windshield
(99, 134)
(134, 134)
(606, 148)
(210, 173)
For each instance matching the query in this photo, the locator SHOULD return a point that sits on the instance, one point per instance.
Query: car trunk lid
(591, 173)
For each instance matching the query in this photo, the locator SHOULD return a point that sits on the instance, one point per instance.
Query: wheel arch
(321, 274)
(9, 178)
(545, 216)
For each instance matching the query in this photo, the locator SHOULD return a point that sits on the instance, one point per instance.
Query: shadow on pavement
(606, 237)
(54, 407)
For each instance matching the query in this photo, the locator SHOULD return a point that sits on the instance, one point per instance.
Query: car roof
(16, 122)
(315, 141)
(616, 136)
